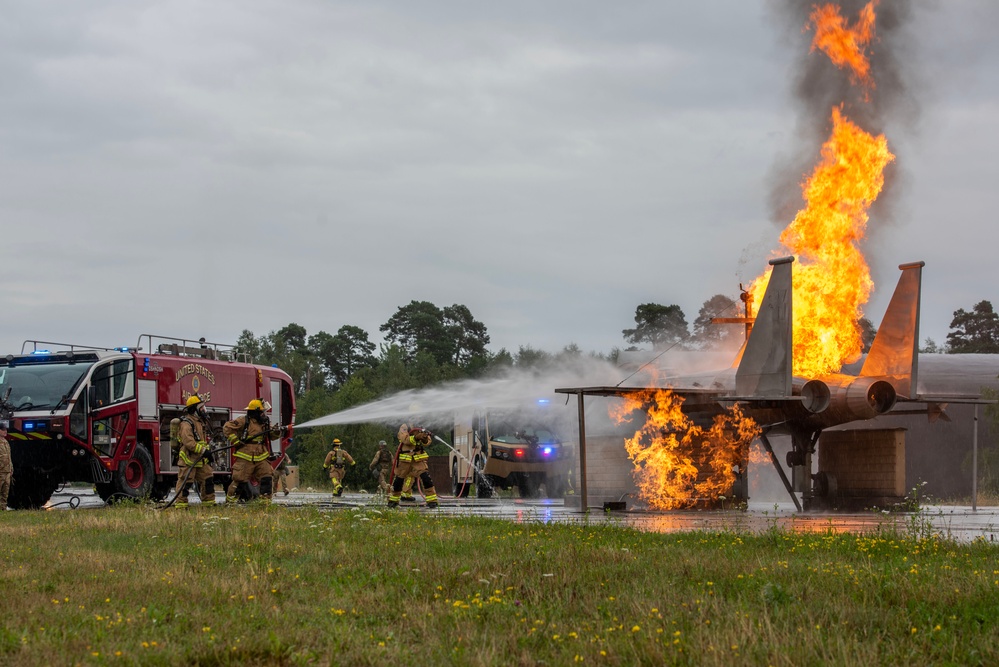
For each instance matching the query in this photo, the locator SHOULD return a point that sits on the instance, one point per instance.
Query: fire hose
(471, 464)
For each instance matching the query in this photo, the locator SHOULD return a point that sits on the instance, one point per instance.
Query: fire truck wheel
(30, 490)
(134, 478)
(459, 487)
(162, 489)
(529, 487)
(483, 488)
(554, 488)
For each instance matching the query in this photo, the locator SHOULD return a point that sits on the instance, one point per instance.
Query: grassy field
(269, 586)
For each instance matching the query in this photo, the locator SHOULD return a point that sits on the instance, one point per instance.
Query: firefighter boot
(181, 502)
(407, 491)
(266, 488)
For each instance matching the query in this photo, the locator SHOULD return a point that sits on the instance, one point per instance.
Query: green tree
(287, 348)
(247, 345)
(392, 373)
(419, 326)
(867, 333)
(468, 335)
(343, 354)
(657, 324)
(450, 335)
(499, 363)
(974, 332)
(528, 357)
(360, 440)
(708, 334)
(930, 347)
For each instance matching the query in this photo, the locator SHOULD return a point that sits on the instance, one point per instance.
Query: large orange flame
(832, 280)
(677, 463)
(845, 44)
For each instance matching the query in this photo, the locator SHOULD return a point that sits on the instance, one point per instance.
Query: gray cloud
(196, 169)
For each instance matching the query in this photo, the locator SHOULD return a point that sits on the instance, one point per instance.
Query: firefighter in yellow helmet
(336, 462)
(250, 437)
(194, 468)
(411, 462)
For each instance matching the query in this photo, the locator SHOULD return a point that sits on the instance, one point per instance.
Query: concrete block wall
(608, 471)
(864, 463)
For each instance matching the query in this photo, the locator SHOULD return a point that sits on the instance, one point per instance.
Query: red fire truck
(102, 415)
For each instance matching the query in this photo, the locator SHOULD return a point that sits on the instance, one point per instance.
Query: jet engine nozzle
(867, 397)
(815, 396)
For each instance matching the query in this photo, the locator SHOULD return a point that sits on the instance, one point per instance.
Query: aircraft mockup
(761, 383)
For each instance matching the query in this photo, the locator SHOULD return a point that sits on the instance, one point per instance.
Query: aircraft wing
(695, 400)
(936, 405)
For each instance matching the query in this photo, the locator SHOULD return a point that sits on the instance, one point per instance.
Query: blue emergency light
(41, 352)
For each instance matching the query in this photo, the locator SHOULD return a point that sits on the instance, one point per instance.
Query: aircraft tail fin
(895, 351)
(765, 364)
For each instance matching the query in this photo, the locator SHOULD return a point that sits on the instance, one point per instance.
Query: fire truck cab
(102, 415)
(501, 449)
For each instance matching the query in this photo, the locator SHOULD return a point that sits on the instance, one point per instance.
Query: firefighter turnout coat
(193, 466)
(251, 442)
(336, 462)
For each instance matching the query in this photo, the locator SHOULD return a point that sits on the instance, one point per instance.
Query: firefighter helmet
(255, 404)
(194, 399)
(336, 441)
(381, 443)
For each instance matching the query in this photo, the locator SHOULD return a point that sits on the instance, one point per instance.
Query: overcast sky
(199, 168)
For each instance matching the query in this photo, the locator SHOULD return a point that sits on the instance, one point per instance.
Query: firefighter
(335, 462)
(407, 485)
(412, 463)
(383, 464)
(193, 466)
(250, 436)
(282, 475)
(6, 466)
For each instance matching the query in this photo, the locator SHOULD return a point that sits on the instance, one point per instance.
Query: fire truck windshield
(516, 433)
(41, 386)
